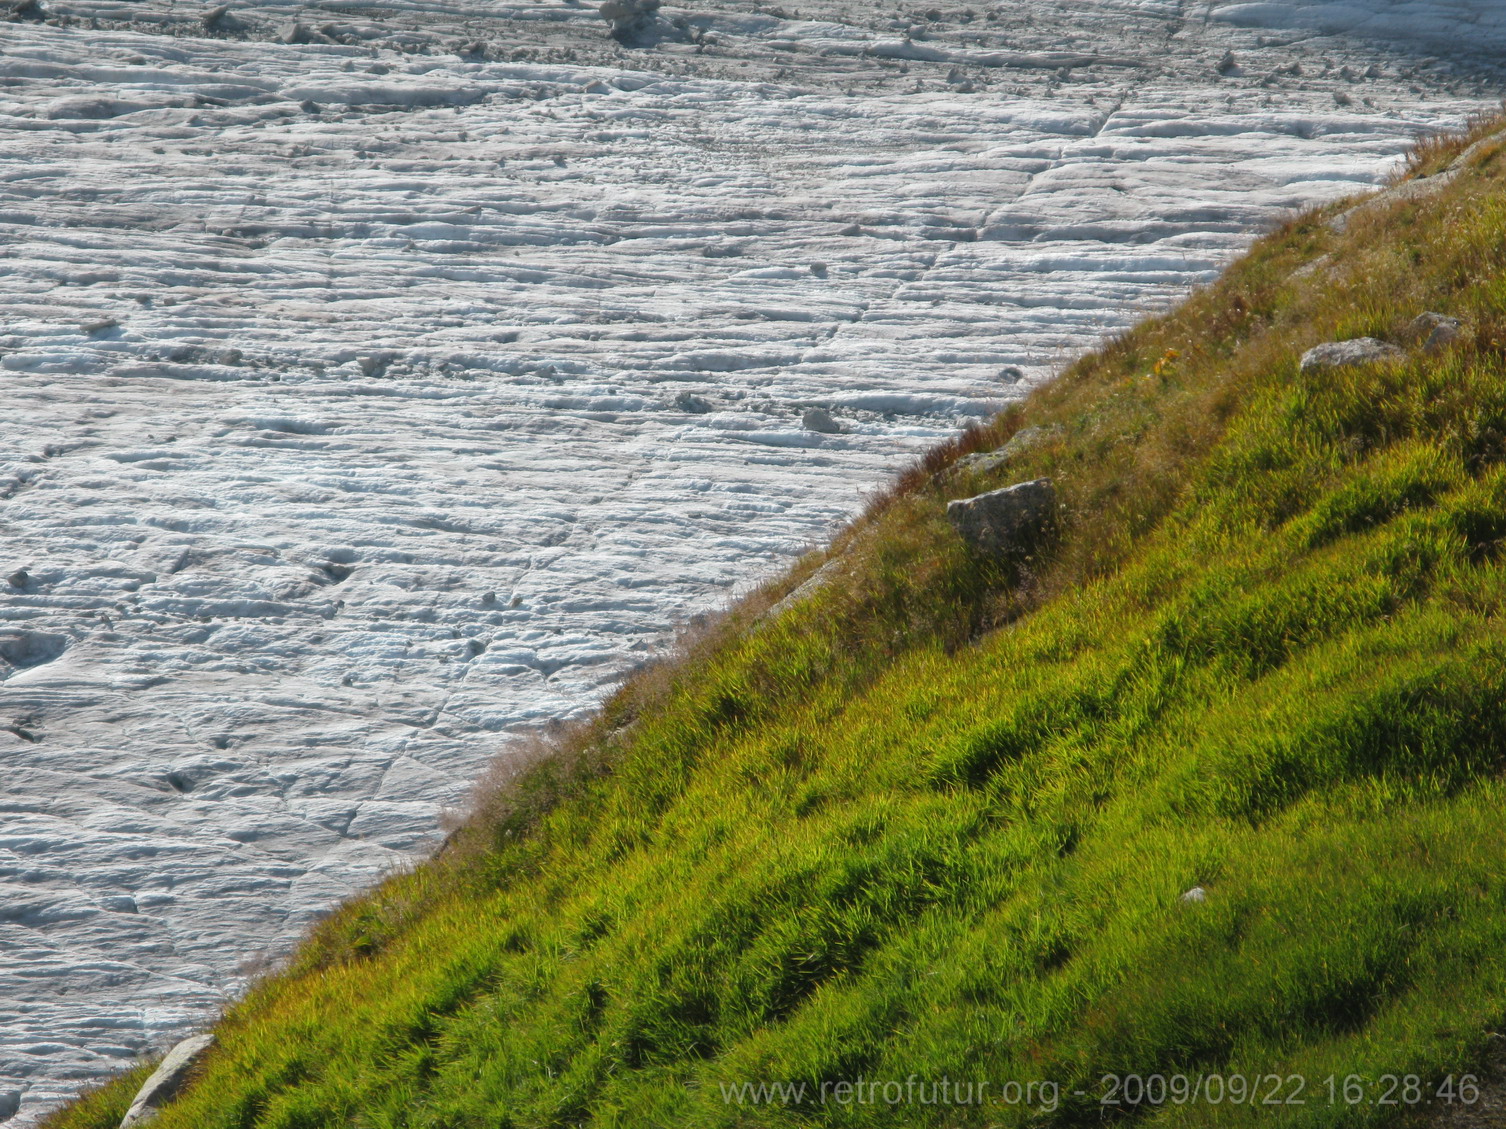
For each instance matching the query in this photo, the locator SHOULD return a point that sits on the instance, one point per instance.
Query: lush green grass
(936, 820)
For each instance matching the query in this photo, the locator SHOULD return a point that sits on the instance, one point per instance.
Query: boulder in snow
(220, 19)
(629, 18)
(819, 419)
(690, 402)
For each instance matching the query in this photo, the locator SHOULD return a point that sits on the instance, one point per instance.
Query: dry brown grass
(1433, 153)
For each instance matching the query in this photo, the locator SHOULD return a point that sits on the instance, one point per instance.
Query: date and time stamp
(1281, 1090)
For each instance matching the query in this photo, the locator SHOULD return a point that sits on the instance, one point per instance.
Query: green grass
(935, 821)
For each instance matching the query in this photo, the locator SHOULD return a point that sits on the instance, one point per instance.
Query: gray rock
(690, 402)
(1419, 188)
(375, 364)
(1471, 155)
(1228, 64)
(27, 10)
(1005, 521)
(22, 650)
(819, 579)
(10, 1104)
(293, 32)
(629, 18)
(1435, 331)
(1341, 354)
(167, 1079)
(220, 19)
(983, 462)
(819, 419)
(19, 579)
(1339, 224)
(1196, 894)
(1307, 270)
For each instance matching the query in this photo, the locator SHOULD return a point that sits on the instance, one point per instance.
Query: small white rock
(1341, 354)
(1196, 894)
(167, 1079)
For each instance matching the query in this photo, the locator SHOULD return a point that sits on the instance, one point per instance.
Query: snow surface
(371, 399)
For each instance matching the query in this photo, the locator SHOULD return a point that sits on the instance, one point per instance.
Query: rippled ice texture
(370, 399)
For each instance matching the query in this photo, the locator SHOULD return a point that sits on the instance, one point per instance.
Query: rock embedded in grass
(167, 1079)
(1307, 270)
(1435, 331)
(982, 462)
(815, 581)
(1007, 521)
(1341, 354)
(1408, 191)
(1472, 155)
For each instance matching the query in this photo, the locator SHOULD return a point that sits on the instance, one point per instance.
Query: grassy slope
(936, 819)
